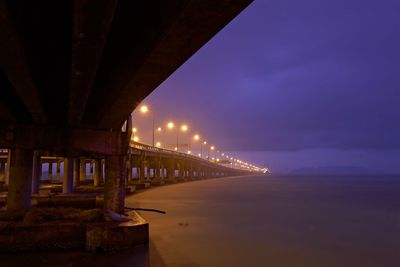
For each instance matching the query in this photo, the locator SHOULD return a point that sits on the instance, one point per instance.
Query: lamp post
(184, 128)
(201, 148)
(196, 137)
(145, 109)
(212, 148)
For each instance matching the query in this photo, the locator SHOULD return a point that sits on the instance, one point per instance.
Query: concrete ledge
(52, 236)
(94, 237)
(114, 236)
(143, 185)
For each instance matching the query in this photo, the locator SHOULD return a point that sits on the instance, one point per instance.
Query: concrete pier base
(20, 186)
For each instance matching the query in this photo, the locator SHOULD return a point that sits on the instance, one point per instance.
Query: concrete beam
(14, 63)
(92, 20)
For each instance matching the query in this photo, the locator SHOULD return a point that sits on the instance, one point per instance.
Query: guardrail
(144, 147)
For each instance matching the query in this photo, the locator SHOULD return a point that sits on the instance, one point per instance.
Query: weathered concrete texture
(20, 187)
(114, 186)
(116, 236)
(51, 236)
(94, 237)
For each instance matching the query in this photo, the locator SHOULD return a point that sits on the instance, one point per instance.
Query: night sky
(294, 84)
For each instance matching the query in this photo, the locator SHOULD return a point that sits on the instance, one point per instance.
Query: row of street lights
(183, 128)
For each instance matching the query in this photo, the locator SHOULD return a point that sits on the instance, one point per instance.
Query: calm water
(260, 221)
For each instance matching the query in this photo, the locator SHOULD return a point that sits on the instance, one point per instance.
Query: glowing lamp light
(159, 129)
(176, 148)
(170, 125)
(189, 152)
(134, 129)
(212, 147)
(184, 128)
(205, 142)
(144, 109)
(136, 139)
(158, 144)
(196, 137)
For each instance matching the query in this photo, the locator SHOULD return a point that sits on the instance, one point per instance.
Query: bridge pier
(96, 175)
(142, 172)
(58, 171)
(68, 179)
(50, 173)
(128, 172)
(82, 169)
(2, 172)
(91, 170)
(37, 172)
(8, 167)
(20, 183)
(76, 172)
(114, 187)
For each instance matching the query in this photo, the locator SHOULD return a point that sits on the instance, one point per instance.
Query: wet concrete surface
(259, 221)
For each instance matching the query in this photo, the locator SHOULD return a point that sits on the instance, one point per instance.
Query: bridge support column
(148, 174)
(128, 171)
(58, 171)
(2, 173)
(82, 169)
(50, 173)
(191, 174)
(162, 170)
(8, 167)
(76, 172)
(157, 168)
(114, 187)
(102, 174)
(91, 170)
(20, 186)
(141, 172)
(181, 170)
(171, 171)
(68, 179)
(37, 171)
(97, 170)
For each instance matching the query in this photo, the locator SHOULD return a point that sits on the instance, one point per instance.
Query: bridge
(71, 72)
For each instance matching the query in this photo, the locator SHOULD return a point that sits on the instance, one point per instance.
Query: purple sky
(295, 84)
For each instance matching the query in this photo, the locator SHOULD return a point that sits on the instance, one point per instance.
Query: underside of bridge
(71, 71)
(86, 64)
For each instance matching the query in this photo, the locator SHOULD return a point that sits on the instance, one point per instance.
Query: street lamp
(196, 137)
(183, 128)
(201, 148)
(212, 148)
(145, 109)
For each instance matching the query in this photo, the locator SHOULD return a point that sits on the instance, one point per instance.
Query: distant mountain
(335, 170)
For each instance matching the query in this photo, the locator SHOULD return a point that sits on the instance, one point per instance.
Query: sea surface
(273, 221)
